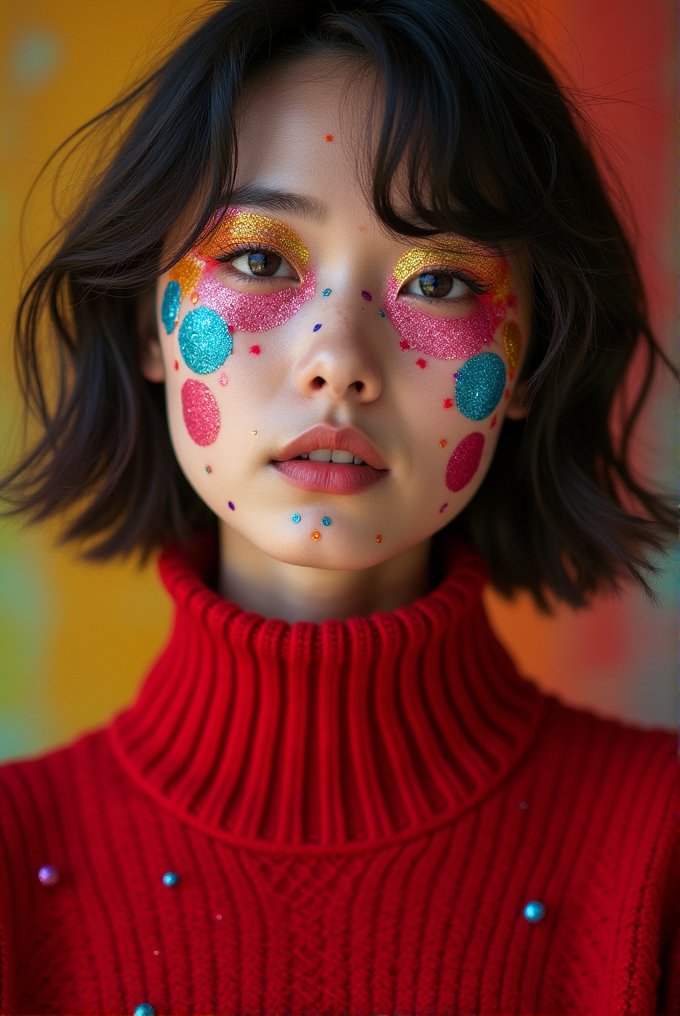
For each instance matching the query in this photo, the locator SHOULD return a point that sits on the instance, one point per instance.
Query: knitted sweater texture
(358, 814)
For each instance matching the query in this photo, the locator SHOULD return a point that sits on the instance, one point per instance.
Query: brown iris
(435, 284)
(263, 263)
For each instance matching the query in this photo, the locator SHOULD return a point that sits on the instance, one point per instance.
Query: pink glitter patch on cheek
(253, 312)
(464, 461)
(201, 413)
(444, 338)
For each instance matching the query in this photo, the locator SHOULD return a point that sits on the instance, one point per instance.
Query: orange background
(76, 638)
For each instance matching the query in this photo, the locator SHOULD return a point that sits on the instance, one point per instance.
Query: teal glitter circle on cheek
(479, 385)
(172, 297)
(205, 340)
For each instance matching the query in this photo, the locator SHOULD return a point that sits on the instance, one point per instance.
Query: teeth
(333, 455)
(305, 456)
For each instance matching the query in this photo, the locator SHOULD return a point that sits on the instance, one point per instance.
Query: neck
(273, 588)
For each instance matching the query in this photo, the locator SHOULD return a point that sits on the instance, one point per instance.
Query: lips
(331, 477)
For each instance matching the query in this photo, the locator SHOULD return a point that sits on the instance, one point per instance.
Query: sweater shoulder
(36, 792)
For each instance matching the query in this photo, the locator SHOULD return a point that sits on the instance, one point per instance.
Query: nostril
(318, 382)
(359, 385)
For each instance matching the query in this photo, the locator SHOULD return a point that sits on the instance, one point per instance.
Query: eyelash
(252, 248)
(474, 285)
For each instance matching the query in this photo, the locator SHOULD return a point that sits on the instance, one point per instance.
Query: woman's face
(334, 393)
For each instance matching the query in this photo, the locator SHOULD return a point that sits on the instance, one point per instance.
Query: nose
(338, 365)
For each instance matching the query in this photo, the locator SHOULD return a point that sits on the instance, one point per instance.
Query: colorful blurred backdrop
(76, 638)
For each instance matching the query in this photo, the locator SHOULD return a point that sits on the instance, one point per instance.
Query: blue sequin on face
(172, 297)
(480, 385)
(205, 340)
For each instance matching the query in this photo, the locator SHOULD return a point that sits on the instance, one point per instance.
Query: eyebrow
(280, 201)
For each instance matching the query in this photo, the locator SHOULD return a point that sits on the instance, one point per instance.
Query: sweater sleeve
(669, 994)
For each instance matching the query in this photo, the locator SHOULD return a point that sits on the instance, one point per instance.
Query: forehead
(285, 116)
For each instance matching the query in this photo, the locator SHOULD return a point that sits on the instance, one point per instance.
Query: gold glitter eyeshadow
(248, 227)
(465, 257)
(187, 272)
(512, 340)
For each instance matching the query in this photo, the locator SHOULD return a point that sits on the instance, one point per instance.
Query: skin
(350, 372)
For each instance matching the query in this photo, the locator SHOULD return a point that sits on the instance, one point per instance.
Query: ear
(518, 406)
(150, 354)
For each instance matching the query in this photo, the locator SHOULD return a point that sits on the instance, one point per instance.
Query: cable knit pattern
(358, 814)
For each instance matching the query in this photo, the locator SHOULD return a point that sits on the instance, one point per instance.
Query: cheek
(249, 312)
(480, 384)
(201, 413)
(444, 338)
(464, 461)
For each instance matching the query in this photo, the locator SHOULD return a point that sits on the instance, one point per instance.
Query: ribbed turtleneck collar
(337, 736)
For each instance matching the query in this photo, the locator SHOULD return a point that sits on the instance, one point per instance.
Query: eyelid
(470, 263)
(474, 285)
(228, 257)
(250, 228)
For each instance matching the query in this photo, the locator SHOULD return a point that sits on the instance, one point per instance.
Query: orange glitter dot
(493, 423)
(176, 365)
(254, 433)
(329, 137)
(315, 535)
(448, 403)
(156, 952)
(443, 443)
(194, 297)
(378, 539)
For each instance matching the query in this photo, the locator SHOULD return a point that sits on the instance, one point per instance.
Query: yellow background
(76, 638)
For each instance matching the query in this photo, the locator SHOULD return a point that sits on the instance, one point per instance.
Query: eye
(262, 264)
(438, 286)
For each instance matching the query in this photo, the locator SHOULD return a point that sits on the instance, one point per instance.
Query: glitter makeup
(296, 518)
(204, 340)
(378, 538)
(450, 338)
(326, 521)
(201, 413)
(464, 461)
(247, 312)
(255, 350)
(479, 385)
(316, 328)
(223, 379)
(172, 297)
(422, 364)
(512, 341)
(327, 292)
(254, 312)
(444, 507)
(231, 505)
(366, 295)
(316, 535)
(186, 274)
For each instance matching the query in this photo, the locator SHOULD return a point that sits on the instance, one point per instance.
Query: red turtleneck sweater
(358, 814)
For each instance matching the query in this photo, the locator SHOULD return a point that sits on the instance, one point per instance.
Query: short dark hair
(507, 164)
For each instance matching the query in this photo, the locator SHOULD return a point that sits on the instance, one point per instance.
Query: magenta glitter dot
(464, 461)
(223, 380)
(231, 505)
(201, 413)
(444, 507)
(366, 295)
(48, 875)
